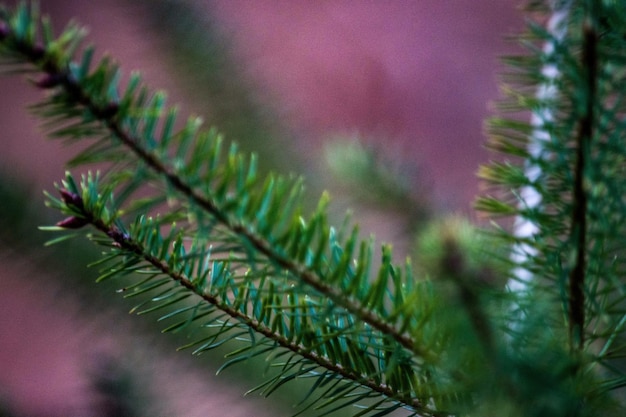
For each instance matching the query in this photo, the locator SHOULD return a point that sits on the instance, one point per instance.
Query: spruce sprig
(229, 258)
(572, 165)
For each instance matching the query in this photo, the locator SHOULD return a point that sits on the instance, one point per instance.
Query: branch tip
(71, 199)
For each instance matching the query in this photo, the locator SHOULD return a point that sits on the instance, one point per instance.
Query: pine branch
(127, 245)
(232, 259)
(573, 194)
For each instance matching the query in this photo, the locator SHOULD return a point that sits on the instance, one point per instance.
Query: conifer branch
(571, 197)
(125, 243)
(137, 253)
(265, 276)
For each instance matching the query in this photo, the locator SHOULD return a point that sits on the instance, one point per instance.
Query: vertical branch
(578, 231)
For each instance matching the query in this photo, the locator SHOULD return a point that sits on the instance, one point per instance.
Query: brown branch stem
(578, 232)
(125, 243)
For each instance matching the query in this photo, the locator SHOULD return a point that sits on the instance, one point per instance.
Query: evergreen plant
(522, 322)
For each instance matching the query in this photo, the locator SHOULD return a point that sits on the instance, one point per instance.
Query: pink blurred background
(415, 76)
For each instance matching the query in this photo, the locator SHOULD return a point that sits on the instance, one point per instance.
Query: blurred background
(382, 103)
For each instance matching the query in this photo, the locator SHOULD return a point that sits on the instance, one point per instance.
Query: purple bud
(71, 199)
(73, 222)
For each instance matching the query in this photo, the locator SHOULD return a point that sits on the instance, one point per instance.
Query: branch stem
(127, 244)
(578, 231)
